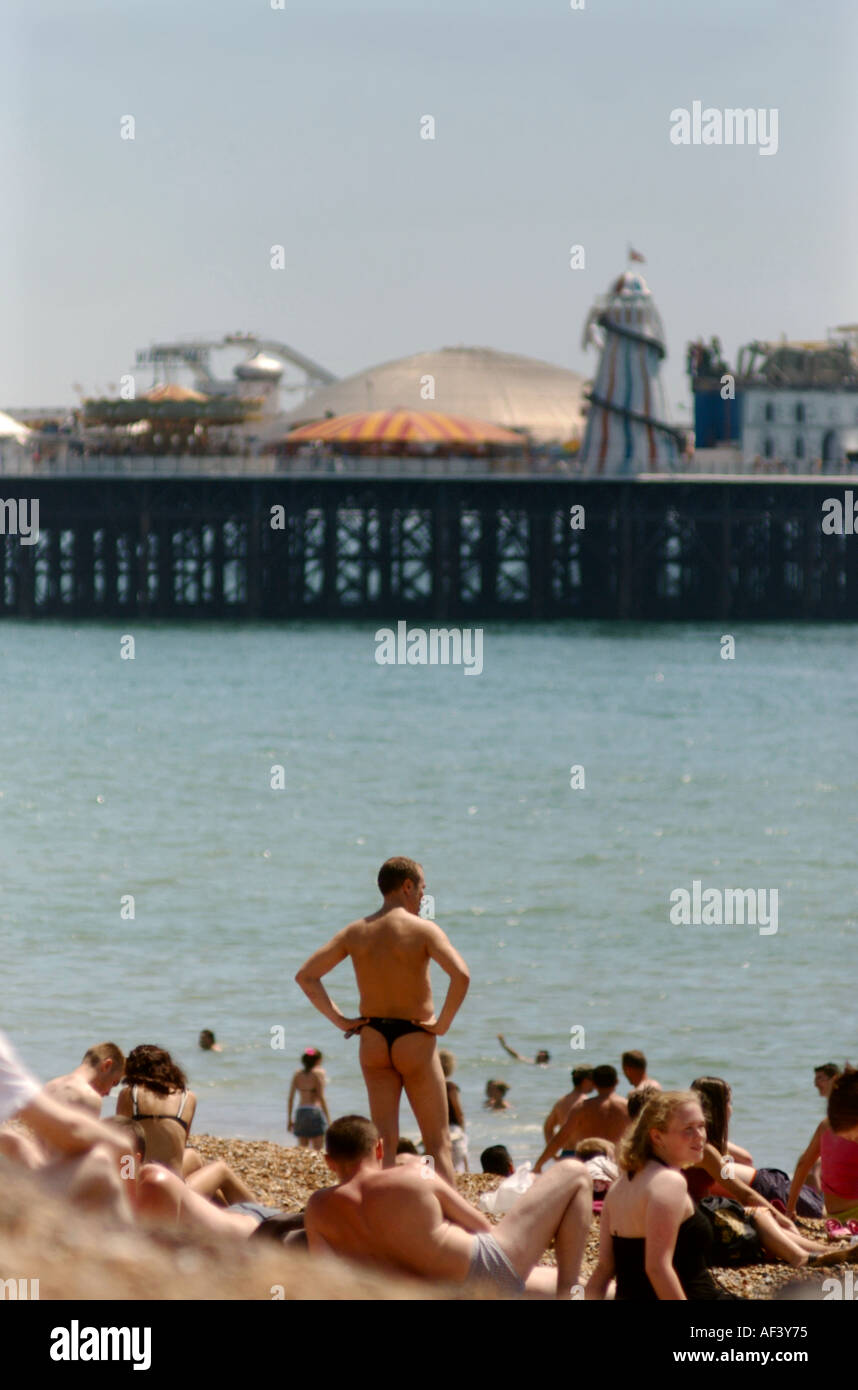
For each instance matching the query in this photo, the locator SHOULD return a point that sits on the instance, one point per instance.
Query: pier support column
(625, 557)
(441, 555)
(725, 593)
(253, 559)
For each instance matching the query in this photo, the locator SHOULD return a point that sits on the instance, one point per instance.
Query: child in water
(311, 1117)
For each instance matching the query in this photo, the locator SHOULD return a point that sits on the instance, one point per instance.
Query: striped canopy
(170, 391)
(404, 427)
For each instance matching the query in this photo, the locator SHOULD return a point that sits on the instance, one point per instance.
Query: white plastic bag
(507, 1194)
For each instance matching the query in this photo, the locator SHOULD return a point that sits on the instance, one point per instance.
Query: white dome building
(518, 393)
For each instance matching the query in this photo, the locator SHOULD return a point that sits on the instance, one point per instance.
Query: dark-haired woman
(155, 1094)
(747, 1228)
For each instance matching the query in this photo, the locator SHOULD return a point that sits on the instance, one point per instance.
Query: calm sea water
(151, 777)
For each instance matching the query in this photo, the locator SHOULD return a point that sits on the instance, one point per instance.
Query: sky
(300, 126)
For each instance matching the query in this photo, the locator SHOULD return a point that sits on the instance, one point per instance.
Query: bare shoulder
(668, 1185)
(318, 1204)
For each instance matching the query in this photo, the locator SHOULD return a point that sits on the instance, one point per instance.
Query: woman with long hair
(653, 1238)
(155, 1094)
(746, 1226)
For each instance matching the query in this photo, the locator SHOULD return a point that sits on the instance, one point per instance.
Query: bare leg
(384, 1088)
(20, 1149)
(192, 1162)
(91, 1181)
(165, 1200)
(317, 1141)
(776, 1241)
(218, 1176)
(416, 1058)
(560, 1204)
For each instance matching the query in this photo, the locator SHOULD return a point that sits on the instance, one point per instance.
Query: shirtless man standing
(86, 1086)
(407, 1219)
(603, 1116)
(582, 1085)
(390, 951)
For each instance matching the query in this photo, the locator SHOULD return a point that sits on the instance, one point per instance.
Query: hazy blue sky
(300, 126)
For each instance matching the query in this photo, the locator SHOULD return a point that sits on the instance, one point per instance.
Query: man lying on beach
(603, 1116)
(391, 951)
(86, 1086)
(407, 1219)
(582, 1086)
(91, 1154)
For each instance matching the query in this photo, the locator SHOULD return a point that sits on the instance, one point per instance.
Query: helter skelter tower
(627, 430)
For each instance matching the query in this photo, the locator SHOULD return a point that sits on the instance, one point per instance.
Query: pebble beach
(287, 1177)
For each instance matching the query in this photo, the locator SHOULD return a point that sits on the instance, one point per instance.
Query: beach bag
(736, 1238)
(774, 1185)
(505, 1197)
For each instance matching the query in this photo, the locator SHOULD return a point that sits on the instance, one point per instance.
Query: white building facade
(805, 429)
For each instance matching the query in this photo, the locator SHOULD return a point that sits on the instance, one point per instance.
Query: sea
(182, 828)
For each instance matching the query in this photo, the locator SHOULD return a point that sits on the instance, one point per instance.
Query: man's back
(600, 1117)
(392, 1216)
(561, 1111)
(390, 954)
(73, 1090)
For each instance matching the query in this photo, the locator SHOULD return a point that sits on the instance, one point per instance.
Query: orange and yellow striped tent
(403, 427)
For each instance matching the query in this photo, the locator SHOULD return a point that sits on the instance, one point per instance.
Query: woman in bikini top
(155, 1093)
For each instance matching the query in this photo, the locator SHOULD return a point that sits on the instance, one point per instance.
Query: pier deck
(428, 548)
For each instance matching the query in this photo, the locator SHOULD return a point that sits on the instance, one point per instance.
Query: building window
(799, 446)
(799, 413)
(769, 411)
(768, 447)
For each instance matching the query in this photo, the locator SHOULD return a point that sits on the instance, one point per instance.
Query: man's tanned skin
(603, 1116)
(563, 1108)
(87, 1085)
(407, 1219)
(390, 951)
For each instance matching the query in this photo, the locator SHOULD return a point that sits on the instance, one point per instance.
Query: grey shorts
(257, 1209)
(490, 1265)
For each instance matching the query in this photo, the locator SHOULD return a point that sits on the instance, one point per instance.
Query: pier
(449, 548)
